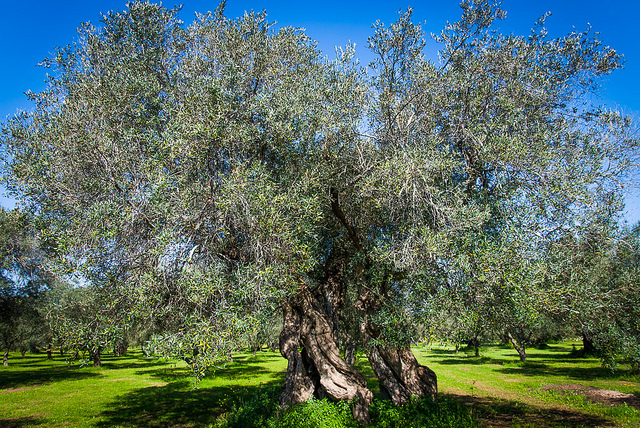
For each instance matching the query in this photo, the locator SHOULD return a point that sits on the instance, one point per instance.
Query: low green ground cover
(134, 391)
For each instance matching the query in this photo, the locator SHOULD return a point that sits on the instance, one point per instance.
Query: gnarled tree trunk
(399, 374)
(315, 368)
(300, 381)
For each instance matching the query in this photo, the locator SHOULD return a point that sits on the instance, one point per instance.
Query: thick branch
(337, 211)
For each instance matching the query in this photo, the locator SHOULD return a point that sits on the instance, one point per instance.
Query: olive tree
(87, 319)
(24, 278)
(593, 286)
(223, 170)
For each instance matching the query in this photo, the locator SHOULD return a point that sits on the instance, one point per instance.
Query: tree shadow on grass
(176, 405)
(498, 413)
(242, 368)
(443, 352)
(234, 373)
(577, 373)
(142, 363)
(472, 360)
(28, 421)
(40, 376)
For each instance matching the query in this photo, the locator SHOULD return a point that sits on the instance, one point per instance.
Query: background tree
(23, 280)
(87, 319)
(594, 286)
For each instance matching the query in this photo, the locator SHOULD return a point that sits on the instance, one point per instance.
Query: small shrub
(422, 412)
(315, 414)
(255, 413)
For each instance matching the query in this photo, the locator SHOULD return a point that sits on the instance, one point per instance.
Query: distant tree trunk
(587, 345)
(476, 346)
(50, 352)
(120, 349)
(94, 355)
(5, 358)
(519, 346)
(350, 352)
(23, 352)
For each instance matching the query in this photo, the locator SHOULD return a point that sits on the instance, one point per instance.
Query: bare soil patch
(21, 389)
(597, 395)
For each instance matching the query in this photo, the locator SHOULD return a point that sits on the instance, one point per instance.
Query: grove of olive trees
(214, 175)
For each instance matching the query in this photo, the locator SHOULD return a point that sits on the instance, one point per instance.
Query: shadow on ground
(176, 405)
(41, 376)
(28, 421)
(498, 413)
(575, 373)
(537, 364)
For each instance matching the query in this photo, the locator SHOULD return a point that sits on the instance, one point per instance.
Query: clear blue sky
(30, 29)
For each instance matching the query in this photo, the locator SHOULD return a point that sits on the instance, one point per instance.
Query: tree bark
(587, 345)
(318, 369)
(520, 348)
(300, 382)
(94, 355)
(5, 358)
(399, 374)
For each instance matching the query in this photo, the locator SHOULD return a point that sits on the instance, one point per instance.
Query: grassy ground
(127, 391)
(505, 392)
(144, 392)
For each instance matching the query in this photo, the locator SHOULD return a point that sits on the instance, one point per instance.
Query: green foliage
(425, 412)
(24, 278)
(315, 414)
(253, 413)
(262, 411)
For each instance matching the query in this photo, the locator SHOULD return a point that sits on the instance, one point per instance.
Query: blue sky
(30, 29)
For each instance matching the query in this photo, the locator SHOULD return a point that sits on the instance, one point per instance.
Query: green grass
(135, 391)
(501, 388)
(127, 391)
